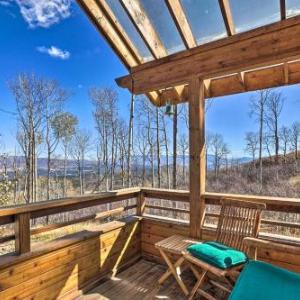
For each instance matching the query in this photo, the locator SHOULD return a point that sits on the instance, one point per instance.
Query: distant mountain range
(90, 165)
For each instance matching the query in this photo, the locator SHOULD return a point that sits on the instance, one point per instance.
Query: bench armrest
(269, 245)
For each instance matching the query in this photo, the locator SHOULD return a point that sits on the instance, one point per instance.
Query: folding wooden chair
(238, 219)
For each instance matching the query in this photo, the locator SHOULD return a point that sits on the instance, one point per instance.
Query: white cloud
(5, 2)
(44, 13)
(54, 52)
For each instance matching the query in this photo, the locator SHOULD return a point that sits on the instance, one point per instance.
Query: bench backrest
(238, 219)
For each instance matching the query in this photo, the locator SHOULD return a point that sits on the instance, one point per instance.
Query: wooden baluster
(140, 209)
(22, 233)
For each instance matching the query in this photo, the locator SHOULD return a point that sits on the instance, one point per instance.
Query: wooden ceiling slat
(181, 22)
(144, 26)
(227, 16)
(282, 9)
(108, 30)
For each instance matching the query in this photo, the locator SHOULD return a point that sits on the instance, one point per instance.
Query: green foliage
(64, 125)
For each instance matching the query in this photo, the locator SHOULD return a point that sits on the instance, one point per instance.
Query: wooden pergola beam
(271, 44)
(246, 81)
(181, 22)
(227, 16)
(282, 9)
(144, 26)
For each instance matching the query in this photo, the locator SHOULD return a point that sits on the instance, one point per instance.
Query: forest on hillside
(56, 156)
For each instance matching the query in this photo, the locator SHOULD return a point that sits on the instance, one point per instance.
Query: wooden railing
(22, 216)
(171, 205)
(275, 205)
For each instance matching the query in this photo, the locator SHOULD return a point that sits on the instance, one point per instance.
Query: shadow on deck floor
(139, 282)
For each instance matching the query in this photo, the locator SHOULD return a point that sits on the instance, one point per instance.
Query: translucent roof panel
(130, 29)
(292, 8)
(205, 19)
(164, 25)
(254, 13)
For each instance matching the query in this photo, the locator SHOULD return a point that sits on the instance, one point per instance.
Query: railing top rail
(67, 202)
(176, 195)
(270, 201)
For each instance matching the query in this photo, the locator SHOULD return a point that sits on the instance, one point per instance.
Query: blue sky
(91, 61)
(67, 47)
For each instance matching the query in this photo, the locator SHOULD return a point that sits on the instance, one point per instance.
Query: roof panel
(254, 13)
(130, 29)
(205, 19)
(292, 7)
(164, 25)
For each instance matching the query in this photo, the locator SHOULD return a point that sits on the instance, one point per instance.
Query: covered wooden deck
(139, 282)
(76, 265)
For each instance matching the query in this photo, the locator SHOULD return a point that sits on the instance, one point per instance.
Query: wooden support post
(197, 155)
(140, 209)
(22, 233)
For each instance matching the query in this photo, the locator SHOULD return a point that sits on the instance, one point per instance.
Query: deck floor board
(140, 281)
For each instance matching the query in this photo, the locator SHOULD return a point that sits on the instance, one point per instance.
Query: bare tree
(258, 111)
(284, 137)
(106, 115)
(295, 138)
(219, 150)
(122, 145)
(64, 125)
(275, 103)
(80, 147)
(268, 144)
(252, 142)
(54, 98)
(30, 93)
(183, 148)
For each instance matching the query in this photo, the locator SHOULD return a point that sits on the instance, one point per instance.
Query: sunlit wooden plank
(181, 22)
(227, 16)
(143, 24)
(122, 33)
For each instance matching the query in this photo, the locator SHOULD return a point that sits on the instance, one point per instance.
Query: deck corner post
(197, 155)
(22, 233)
(140, 203)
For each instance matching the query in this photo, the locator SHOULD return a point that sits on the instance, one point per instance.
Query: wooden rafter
(282, 9)
(230, 55)
(103, 5)
(227, 16)
(144, 26)
(109, 31)
(181, 22)
(106, 22)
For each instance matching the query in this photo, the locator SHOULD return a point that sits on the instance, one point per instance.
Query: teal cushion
(263, 281)
(217, 254)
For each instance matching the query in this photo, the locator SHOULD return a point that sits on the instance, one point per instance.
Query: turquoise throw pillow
(217, 254)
